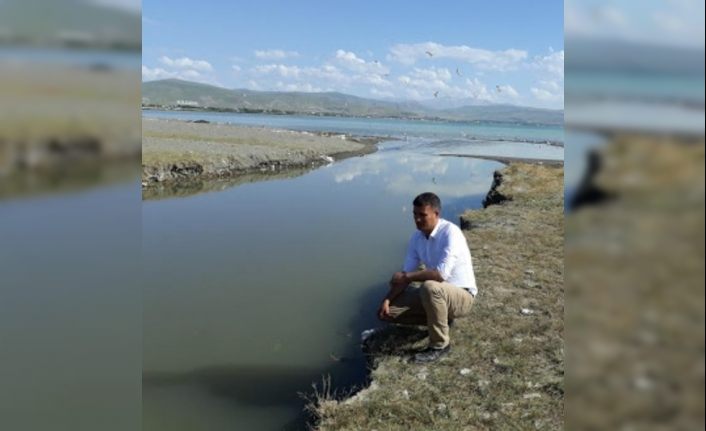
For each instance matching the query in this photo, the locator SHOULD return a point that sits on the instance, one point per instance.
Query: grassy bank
(506, 367)
(177, 151)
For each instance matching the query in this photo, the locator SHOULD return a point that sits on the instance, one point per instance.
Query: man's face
(425, 217)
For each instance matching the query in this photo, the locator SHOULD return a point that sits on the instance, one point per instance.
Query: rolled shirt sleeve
(448, 258)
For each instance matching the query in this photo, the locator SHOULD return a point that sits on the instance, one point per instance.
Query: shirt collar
(436, 229)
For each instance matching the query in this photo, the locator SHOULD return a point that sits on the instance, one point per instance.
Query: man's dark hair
(428, 198)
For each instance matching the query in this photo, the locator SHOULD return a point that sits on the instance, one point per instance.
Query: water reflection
(195, 186)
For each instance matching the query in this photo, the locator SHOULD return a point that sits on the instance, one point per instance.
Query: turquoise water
(397, 128)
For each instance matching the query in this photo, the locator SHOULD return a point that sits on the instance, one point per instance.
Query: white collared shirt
(446, 251)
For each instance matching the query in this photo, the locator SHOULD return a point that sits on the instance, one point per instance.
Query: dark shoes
(430, 355)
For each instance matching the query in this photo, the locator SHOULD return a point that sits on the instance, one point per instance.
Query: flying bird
(429, 53)
(458, 72)
(498, 89)
(436, 94)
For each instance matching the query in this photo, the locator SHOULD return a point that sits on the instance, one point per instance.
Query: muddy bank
(506, 365)
(179, 151)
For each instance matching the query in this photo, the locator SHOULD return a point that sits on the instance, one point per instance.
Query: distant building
(188, 103)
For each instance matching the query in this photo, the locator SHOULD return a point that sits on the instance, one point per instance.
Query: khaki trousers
(431, 304)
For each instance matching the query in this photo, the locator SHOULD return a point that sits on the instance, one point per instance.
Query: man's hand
(384, 310)
(399, 278)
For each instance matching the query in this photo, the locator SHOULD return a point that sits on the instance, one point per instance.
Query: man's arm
(397, 286)
(423, 275)
(400, 281)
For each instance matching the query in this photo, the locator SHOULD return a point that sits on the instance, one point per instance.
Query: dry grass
(179, 150)
(506, 368)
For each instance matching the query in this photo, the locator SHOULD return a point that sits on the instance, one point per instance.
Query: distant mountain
(508, 113)
(69, 23)
(174, 92)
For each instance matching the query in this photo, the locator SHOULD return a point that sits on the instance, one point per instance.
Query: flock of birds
(498, 88)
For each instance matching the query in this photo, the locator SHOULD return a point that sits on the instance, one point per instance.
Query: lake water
(397, 128)
(253, 293)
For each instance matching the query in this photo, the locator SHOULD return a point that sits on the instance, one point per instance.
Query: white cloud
(477, 90)
(381, 93)
(254, 85)
(326, 73)
(236, 68)
(553, 63)
(275, 54)
(429, 80)
(491, 60)
(548, 91)
(352, 62)
(151, 74)
(302, 87)
(432, 74)
(295, 78)
(508, 91)
(427, 83)
(186, 63)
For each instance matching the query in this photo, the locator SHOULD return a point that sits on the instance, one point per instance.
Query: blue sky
(478, 51)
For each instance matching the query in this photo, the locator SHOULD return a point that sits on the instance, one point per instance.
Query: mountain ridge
(176, 93)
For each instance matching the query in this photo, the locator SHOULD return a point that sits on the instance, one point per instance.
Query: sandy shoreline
(178, 151)
(507, 159)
